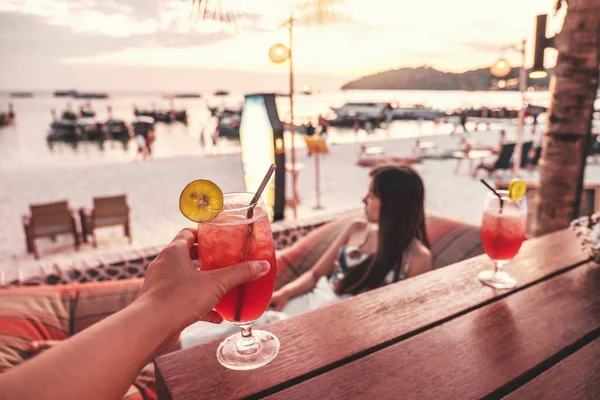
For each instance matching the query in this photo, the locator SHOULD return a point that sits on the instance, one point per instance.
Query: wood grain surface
(324, 339)
(577, 377)
(477, 355)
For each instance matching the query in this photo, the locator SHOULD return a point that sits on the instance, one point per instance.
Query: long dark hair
(401, 220)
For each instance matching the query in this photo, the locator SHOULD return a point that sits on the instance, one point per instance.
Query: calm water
(23, 145)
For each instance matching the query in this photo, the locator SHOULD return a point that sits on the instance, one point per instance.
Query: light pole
(278, 53)
(500, 69)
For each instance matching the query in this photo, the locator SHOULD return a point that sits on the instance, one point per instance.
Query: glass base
(230, 356)
(498, 280)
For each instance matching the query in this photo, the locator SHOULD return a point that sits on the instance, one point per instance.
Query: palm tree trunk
(573, 86)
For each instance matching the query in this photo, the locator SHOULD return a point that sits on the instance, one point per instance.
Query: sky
(158, 45)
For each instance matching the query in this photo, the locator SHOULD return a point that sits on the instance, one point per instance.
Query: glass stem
(247, 343)
(498, 266)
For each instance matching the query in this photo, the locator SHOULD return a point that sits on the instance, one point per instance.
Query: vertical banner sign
(261, 142)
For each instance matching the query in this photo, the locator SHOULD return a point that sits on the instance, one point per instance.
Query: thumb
(243, 272)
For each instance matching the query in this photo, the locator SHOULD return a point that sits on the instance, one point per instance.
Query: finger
(213, 317)
(186, 237)
(279, 306)
(243, 272)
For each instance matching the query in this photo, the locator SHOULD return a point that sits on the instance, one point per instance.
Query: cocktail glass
(229, 239)
(502, 233)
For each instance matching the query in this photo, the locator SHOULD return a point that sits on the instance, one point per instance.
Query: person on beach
(463, 121)
(102, 361)
(388, 245)
(324, 125)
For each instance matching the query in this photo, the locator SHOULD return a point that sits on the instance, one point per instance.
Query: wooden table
(438, 335)
(470, 155)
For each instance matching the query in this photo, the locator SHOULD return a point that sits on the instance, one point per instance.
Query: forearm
(305, 283)
(98, 363)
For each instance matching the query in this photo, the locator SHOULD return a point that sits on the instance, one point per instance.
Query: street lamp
(278, 53)
(500, 69)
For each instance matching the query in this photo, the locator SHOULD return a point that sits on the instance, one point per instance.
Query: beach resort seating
(107, 211)
(525, 150)
(57, 304)
(49, 220)
(373, 156)
(501, 163)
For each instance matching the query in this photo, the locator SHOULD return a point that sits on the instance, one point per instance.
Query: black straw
(494, 191)
(242, 288)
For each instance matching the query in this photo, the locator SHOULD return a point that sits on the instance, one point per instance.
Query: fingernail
(263, 266)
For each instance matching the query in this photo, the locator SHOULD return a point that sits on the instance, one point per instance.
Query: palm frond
(213, 10)
(319, 11)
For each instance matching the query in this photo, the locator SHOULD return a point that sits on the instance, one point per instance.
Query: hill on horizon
(428, 78)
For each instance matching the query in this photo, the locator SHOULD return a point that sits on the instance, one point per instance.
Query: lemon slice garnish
(201, 200)
(516, 189)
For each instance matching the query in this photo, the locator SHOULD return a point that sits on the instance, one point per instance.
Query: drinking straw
(494, 191)
(249, 215)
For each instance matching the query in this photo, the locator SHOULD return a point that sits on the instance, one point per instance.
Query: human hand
(279, 299)
(182, 295)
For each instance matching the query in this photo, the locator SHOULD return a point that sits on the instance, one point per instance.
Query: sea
(23, 144)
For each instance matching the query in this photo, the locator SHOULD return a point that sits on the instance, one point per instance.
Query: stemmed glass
(232, 237)
(502, 232)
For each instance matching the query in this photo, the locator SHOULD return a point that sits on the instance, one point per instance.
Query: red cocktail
(502, 232)
(227, 240)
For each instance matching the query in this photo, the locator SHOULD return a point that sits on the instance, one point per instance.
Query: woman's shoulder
(357, 224)
(422, 260)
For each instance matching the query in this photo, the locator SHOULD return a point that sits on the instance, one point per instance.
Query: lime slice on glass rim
(201, 200)
(516, 189)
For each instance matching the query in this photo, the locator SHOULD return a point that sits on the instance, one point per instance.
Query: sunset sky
(155, 45)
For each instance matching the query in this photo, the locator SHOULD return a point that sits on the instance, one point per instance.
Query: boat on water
(64, 93)
(414, 113)
(89, 95)
(166, 116)
(143, 125)
(86, 111)
(221, 111)
(187, 95)
(7, 118)
(117, 129)
(229, 125)
(363, 113)
(21, 95)
(63, 131)
(90, 129)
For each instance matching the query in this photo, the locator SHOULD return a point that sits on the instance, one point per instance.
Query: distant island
(427, 78)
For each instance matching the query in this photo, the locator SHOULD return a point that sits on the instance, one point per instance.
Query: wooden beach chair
(501, 163)
(108, 211)
(49, 220)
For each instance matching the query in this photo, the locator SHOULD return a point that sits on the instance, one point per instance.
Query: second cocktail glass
(227, 240)
(502, 233)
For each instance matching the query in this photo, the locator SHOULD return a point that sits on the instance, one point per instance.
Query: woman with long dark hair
(388, 245)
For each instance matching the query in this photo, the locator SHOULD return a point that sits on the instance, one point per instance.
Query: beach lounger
(49, 220)
(501, 163)
(108, 211)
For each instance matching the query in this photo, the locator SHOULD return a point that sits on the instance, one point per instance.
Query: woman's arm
(102, 361)
(323, 267)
